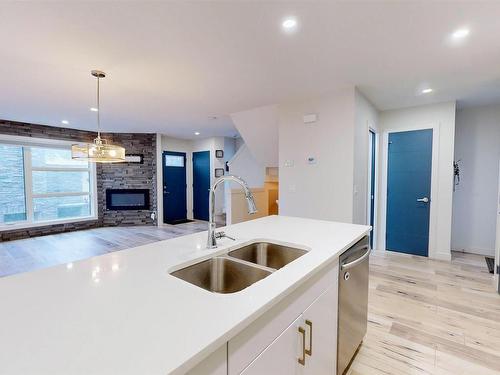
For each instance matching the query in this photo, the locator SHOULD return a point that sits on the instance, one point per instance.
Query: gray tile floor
(41, 252)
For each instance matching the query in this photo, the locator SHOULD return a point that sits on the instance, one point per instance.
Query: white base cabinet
(306, 347)
(298, 336)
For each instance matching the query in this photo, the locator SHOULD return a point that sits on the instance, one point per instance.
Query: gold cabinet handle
(309, 351)
(302, 360)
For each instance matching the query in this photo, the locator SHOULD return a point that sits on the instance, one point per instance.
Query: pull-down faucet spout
(212, 236)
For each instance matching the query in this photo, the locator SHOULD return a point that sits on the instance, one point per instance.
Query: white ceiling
(172, 65)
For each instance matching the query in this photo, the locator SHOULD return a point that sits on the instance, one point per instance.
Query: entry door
(408, 191)
(201, 184)
(174, 187)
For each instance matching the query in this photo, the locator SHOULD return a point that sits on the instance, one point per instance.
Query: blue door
(408, 191)
(201, 184)
(174, 187)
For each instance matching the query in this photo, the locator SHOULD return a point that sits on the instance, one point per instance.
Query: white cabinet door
(320, 323)
(281, 357)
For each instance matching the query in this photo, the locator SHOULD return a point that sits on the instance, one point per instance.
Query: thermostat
(310, 118)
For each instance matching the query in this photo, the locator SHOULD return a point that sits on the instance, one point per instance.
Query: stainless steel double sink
(240, 268)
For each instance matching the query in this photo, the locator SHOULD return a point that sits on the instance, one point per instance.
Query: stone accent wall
(129, 176)
(123, 175)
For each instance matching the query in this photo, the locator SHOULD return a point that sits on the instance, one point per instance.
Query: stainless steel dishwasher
(353, 302)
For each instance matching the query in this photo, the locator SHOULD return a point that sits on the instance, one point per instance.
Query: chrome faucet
(212, 236)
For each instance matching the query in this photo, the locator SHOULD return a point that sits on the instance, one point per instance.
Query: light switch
(288, 163)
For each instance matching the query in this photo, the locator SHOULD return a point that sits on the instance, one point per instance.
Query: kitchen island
(124, 313)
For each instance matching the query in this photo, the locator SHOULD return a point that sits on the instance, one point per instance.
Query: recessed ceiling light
(427, 91)
(65, 122)
(93, 109)
(460, 33)
(289, 24)
(196, 133)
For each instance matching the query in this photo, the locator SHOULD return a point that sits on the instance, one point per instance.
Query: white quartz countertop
(122, 313)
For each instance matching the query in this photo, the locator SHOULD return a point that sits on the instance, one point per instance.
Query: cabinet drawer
(246, 346)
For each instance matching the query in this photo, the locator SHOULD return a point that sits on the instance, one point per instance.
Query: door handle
(302, 360)
(424, 200)
(361, 259)
(309, 351)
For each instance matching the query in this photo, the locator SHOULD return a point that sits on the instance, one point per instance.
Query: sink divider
(255, 265)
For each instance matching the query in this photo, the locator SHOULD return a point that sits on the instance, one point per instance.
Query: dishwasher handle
(354, 263)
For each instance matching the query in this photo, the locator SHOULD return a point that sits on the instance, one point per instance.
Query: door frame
(497, 240)
(433, 215)
(374, 233)
(176, 153)
(210, 174)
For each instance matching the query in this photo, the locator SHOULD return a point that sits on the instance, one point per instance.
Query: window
(174, 161)
(12, 198)
(42, 184)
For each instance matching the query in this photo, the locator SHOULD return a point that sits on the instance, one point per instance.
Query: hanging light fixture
(100, 151)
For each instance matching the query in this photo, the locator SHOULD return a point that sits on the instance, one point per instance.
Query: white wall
(229, 148)
(212, 144)
(366, 118)
(477, 144)
(190, 146)
(441, 117)
(244, 165)
(323, 190)
(259, 129)
(238, 142)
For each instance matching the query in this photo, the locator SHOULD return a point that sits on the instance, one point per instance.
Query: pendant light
(100, 151)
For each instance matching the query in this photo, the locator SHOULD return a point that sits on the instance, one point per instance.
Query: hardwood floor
(425, 316)
(430, 317)
(46, 251)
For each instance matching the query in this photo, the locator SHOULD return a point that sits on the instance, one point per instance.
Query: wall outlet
(289, 163)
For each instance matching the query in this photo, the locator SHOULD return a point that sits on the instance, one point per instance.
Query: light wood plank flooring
(430, 317)
(46, 251)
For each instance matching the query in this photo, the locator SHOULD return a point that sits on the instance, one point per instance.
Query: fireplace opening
(127, 199)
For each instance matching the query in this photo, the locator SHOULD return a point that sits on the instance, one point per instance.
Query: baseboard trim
(441, 256)
(485, 252)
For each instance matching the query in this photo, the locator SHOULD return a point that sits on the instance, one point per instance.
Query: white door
(320, 321)
(281, 357)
